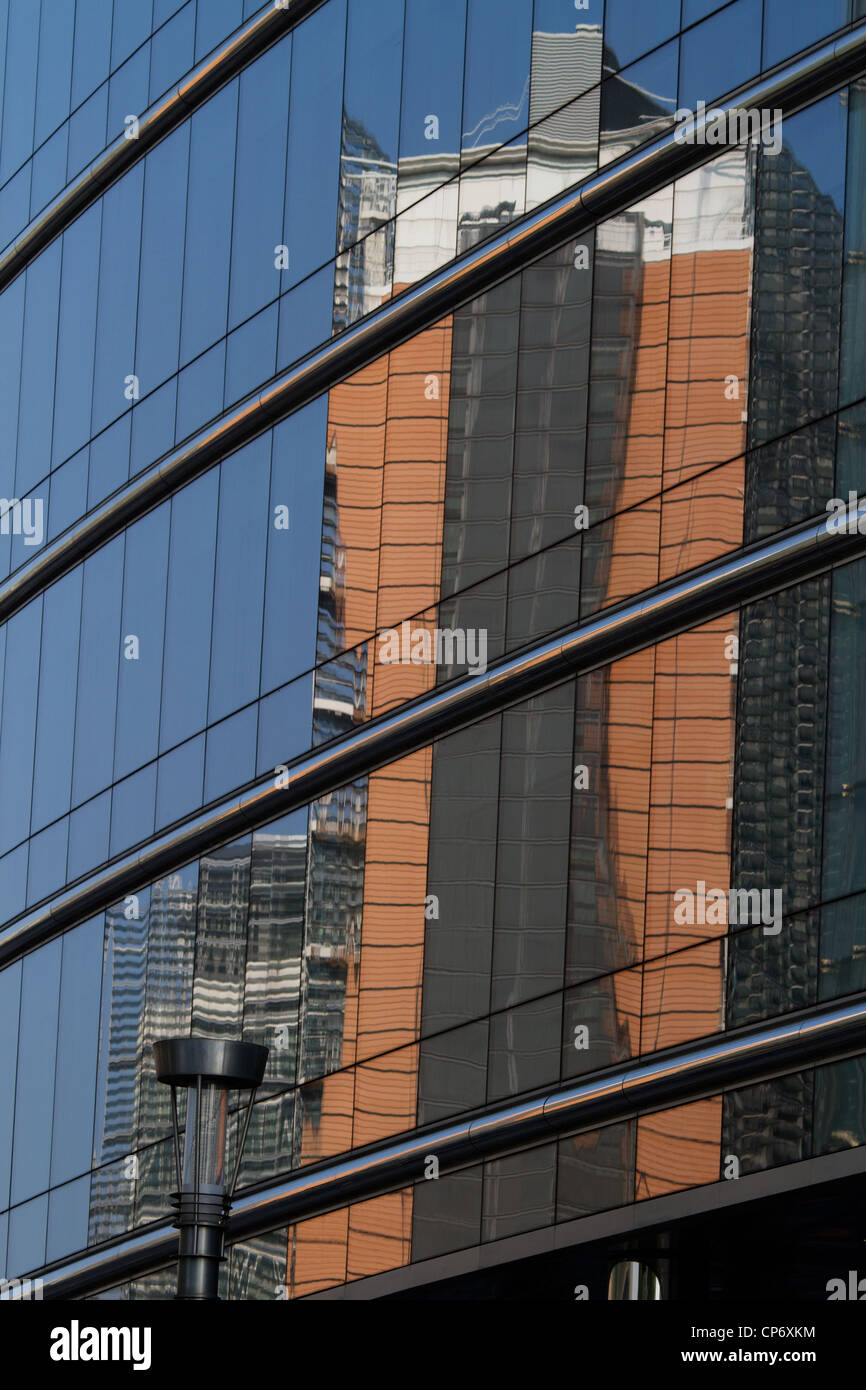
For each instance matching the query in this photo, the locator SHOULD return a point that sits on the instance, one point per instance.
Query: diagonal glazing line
(672, 1077)
(680, 603)
(158, 121)
(577, 210)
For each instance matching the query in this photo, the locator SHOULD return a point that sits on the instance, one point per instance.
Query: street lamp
(632, 1279)
(207, 1070)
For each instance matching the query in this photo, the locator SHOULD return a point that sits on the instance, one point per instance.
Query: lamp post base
(201, 1222)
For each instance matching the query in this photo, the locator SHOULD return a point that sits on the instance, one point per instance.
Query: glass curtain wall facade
(504, 910)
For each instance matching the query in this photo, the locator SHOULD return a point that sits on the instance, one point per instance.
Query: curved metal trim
(159, 120)
(611, 190)
(678, 1075)
(680, 603)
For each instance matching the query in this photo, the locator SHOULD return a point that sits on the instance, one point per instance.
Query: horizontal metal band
(159, 120)
(612, 190)
(678, 604)
(673, 1077)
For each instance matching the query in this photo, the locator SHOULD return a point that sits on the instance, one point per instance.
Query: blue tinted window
(215, 20)
(68, 1210)
(558, 16)
(49, 170)
(68, 493)
(31, 533)
(13, 882)
(14, 204)
(790, 25)
(46, 866)
(251, 354)
(432, 66)
(76, 334)
(10, 990)
(162, 244)
(285, 725)
(200, 391)
(77, 1046)
(238, 589)
(293, 561)
(313, 170)
(26, 1248)
(88, 835)
(231, 754)
(172, 51)
(179, 782)
(92, 54)
(131, 26)
(37, 368)
(97, 671)
(816, 138)
(114, 359)
(693, 10)
(133, 806)
(305, 316)
(34, 1095)
(260, 181)
(4, 30)
(55, 68)
(109, 460)
(108, 465)
(208, 222)
(188, 610)
(3, 635)
(87, 132)
(19, 97)
(631, 30)
(140, 673)
(371, 121)
(720, 54)
(163, 9)
(52, 781)
(128, 92)
(19, 723)
(636, 98)
(496, 91)
(153, 424)
(11, 325)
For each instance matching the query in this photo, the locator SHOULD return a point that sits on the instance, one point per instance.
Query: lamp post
(207, 1070)
(631, 1280)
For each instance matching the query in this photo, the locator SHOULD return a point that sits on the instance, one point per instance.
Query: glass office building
(423, 648)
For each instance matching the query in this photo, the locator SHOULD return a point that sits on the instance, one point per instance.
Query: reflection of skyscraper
(795, 348)
(224, 885)
(783, 690)
(368, 196)
(333, 920)
(123, 1003)
(170, 958)
(563, 135)
(276, 925)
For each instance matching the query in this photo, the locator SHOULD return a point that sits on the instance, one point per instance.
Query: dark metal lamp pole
(207, 1070)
